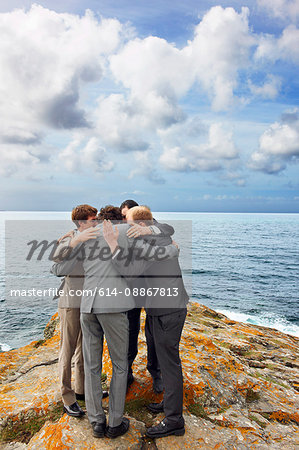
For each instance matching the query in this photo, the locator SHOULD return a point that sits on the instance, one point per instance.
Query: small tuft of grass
(266, 415)
(197, 409)
(252, 396)
(137, 408)
(259, 422)
(223, 344)
(270, 379)
(223, 409)
(39, 343)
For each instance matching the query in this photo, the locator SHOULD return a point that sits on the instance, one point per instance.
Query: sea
(243, 265)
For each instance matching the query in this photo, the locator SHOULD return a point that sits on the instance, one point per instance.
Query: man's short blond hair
(140, 213)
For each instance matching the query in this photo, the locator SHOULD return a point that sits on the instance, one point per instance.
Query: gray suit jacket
(105, 290)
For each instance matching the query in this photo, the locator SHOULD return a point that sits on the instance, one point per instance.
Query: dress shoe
(98, 429)
(158, 385)
(82, 396)
(165, 429)
(114, 432)
(74, 410)
(156, 407)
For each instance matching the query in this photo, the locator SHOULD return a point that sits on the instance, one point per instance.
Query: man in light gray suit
(106, 299)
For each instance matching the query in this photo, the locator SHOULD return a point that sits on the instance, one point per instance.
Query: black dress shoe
(98, 429)
(158, 385)
(74, 410)
(82, 396)
(156, 407)
(165, 429)
(114, 432)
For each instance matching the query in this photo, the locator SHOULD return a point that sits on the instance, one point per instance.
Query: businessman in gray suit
(166, 313)
(105, 301)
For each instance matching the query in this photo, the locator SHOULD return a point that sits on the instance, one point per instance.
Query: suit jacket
(165, 228)
(165, 231)
(104, 290)
(71, 284)
(166, 290)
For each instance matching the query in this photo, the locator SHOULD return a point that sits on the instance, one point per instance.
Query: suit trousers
(134, 328)
(70, 345)
(115, 327)
(166, 330)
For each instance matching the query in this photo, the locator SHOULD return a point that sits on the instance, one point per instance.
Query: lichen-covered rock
(52, 328)
(240, 391)
(76, 434)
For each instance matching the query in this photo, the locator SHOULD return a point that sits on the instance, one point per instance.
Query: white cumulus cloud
(157, 75)
(278, 145)
(52, 66)
(146, 168)
(214, 154)
(12, 161)
(270, 89)
(284, 48)
(80, 156)
(220, 49)
(282, 9)
(45, 59)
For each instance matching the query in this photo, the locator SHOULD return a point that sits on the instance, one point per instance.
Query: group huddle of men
(115, 262)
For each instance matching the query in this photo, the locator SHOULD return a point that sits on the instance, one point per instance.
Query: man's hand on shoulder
(110, 235)
(137, 230)
(66, 235)
(86, 235)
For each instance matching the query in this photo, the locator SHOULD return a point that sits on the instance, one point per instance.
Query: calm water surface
(244, 265)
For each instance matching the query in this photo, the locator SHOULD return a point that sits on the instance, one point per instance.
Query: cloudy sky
(184, 106)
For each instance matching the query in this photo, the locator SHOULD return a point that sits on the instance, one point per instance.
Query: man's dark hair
(110, 212)
(129, 204)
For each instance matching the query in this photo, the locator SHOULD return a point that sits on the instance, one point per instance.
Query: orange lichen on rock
(11, 360)
(285, 417)
(53, 435)
(240, 389)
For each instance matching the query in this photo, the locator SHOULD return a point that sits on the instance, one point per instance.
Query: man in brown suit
(84, 217)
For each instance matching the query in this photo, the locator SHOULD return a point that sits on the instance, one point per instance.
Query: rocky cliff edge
(241, 388)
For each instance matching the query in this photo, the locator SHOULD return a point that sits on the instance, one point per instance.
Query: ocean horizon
(244, 265)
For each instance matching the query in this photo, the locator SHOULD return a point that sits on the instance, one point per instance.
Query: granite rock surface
(241, 391)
